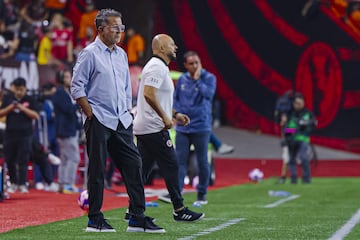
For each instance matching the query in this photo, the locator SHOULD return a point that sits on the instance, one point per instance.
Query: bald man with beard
(153, 120)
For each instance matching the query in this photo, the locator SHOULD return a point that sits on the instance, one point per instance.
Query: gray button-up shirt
(103, 77)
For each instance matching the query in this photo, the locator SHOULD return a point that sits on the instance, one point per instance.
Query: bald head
(159, 41)
(164, 46)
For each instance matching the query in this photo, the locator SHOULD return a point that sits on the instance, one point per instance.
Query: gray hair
(104, 14)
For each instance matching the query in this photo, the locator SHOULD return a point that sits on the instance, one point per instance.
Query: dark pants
(17, 154)
(122, 150)
(40, 158)
(158, 147)
(200, 141)
(299, 150)
(109, 171)
(49, 173)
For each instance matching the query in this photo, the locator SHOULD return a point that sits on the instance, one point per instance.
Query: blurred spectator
(283, 107)
(8, 41)
(8, 45)
(82, 43)
(87, 26)
(352, 5)
(62, 40)
(355, 17)
(45, 56)
(40, 157)
(26, 55)
(55, 6)
(35, 13)
(47, 137)
(10, 14)
(135, 73)
(135, 47)
(299, 123)
(49, 90)
(193, 96)
(135, 51)
(220, 147)
(341, 3)
(67, 126)
(20, 110)
(74, 10)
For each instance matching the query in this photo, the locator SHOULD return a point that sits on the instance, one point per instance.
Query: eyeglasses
(117, 28)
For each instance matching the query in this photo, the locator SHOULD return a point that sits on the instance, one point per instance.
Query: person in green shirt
(299, 123)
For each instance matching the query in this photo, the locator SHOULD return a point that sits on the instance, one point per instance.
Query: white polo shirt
(155, 74)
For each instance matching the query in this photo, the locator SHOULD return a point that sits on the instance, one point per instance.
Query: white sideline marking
(213, 229)
(347, 227)
(281, 201)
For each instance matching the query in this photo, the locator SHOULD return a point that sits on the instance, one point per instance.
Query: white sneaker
(54, 160)
(23, 189)
(39, 186)
(200, 202)
(225, 149)
(53, 187)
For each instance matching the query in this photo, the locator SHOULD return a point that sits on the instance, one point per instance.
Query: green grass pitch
(323, 207)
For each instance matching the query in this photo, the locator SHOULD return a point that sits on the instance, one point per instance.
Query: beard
(171, 56)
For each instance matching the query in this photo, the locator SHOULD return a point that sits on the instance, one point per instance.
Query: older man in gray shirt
(101, 86)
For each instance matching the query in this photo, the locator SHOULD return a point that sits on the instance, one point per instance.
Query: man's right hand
(85, 106)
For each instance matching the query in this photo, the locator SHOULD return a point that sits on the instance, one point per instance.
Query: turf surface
(322, 208)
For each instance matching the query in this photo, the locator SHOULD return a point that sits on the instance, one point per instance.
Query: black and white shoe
(165, 198)
(143, 224)
(186, 215)
(127, 217)
(99, 226)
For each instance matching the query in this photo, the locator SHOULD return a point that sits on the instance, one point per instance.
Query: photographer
(299, 123)
(20, 111)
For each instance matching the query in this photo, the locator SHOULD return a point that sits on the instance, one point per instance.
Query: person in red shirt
(62, 40)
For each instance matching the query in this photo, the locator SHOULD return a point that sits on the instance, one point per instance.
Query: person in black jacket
(67, 126)
(20, 111)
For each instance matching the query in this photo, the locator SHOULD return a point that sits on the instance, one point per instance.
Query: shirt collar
(156, 56)
(102, 45)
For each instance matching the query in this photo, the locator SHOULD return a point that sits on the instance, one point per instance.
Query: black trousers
(40, 157)
(17, 153)
(158, 147)
(122, 150)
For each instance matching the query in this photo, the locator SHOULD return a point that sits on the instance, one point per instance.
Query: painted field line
(281, 201)
(347, 227)
(213, 229)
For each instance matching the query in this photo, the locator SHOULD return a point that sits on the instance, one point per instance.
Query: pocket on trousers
(87, 123)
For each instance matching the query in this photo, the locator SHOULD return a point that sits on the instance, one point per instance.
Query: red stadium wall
(260, 49)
